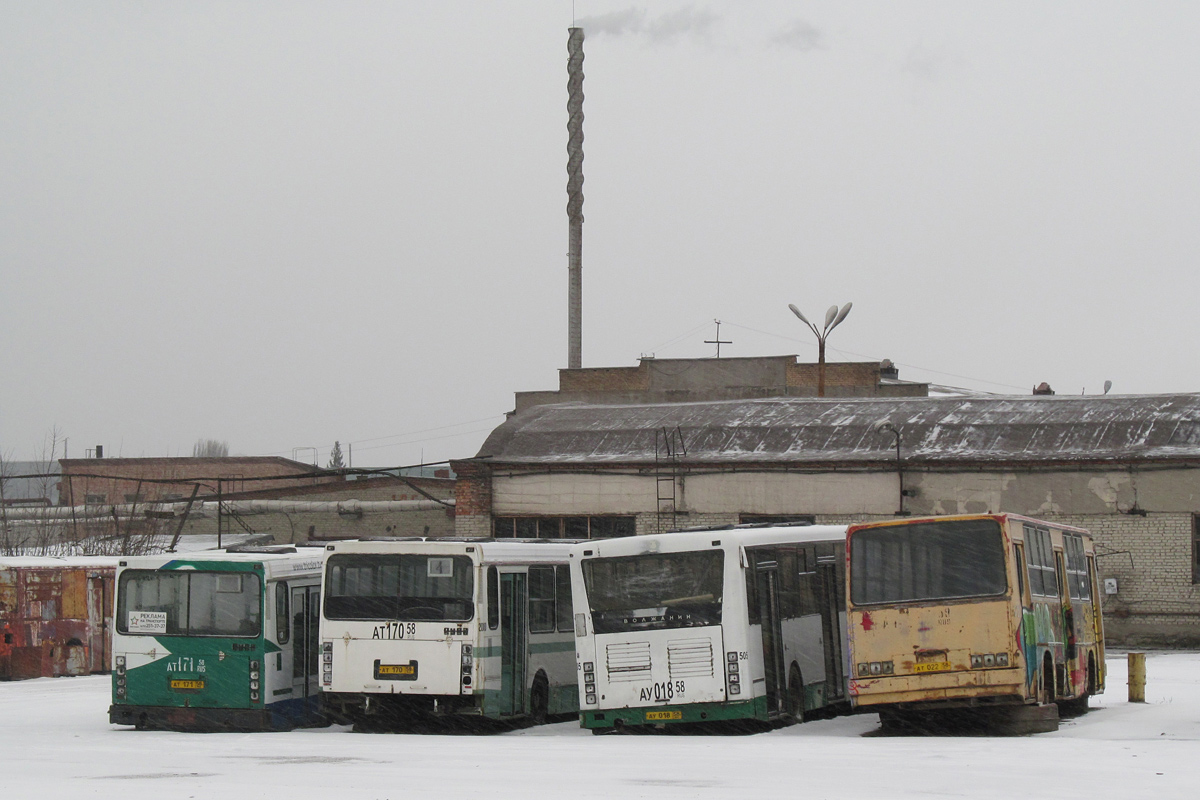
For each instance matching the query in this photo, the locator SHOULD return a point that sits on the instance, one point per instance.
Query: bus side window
(752, 593)
(562, 599)
(282, 630)
(493, 598)
(541, 599)
(1019, 561)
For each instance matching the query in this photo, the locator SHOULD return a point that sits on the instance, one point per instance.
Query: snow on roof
(1043, 428)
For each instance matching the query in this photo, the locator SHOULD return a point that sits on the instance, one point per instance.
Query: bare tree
(210, 448)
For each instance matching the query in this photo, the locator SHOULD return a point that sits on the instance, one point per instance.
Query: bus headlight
(253, 674)
(590, 699)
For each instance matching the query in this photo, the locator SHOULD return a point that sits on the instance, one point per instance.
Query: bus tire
(1078, 706)
(1047, 682)
(795, 694)
(539, 699)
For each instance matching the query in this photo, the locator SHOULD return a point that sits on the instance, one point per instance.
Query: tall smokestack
(575, 198)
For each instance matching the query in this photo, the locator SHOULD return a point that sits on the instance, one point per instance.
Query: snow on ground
(55, 742)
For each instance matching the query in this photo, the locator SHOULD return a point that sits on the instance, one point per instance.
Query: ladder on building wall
(668, 448)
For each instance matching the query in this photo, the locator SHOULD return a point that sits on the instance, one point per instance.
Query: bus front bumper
(660, 715)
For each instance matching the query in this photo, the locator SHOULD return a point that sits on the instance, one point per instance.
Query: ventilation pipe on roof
(1043, 388)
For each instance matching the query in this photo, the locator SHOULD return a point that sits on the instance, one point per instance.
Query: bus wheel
(795, 694)
(539, 700)
(1079, 705)
(1047, 681)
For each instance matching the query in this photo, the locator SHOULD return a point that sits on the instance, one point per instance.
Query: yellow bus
(980, 611)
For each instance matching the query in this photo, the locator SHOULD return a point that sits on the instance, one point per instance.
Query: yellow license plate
(397, 669)
(654, 716)
(932, 666)
(182, 684)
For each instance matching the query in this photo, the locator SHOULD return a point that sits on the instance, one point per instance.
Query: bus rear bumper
(949, 689)
(755, 709)
(208, 720)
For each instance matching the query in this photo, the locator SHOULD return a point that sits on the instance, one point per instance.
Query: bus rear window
(430, 588)
(189, 603)
(927, 561)
(654, 591)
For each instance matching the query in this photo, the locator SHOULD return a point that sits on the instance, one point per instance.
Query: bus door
(831, 601)
(766, 576)
(1068, 610)
(98, 612)
(514, 641)
(306, 611)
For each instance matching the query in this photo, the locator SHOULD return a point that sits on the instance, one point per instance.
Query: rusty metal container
(55, 616)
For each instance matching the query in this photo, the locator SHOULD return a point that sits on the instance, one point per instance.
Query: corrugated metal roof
(806, 430)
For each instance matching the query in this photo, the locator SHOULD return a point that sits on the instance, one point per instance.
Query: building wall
(291, 528)
(119, 478)
(677, 380)
(1150, 555)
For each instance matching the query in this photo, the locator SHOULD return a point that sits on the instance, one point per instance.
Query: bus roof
(56, 562)
(304, 560)
(736, 536)
(1000, 517)
(496, 551)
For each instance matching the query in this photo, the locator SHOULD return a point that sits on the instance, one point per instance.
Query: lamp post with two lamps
(833, 318)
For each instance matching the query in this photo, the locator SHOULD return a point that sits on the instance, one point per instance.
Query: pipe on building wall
(208, 508)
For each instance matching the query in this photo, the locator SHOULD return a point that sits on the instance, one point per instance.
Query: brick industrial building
(1125, 467)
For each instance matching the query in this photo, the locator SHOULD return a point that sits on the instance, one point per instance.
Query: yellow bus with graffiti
(984, 612)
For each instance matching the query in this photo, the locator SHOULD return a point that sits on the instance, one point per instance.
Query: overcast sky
(281, 224)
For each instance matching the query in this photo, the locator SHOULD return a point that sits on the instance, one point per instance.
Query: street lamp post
(833, 318)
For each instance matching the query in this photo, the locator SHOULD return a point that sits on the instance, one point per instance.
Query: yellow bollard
(1137, 677)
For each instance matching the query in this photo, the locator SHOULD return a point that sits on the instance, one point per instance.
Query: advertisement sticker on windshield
(147, 622)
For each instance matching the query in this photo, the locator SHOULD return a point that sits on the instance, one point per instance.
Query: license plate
(186, 684)
(655, 716)
(932, 666)
(397, 669)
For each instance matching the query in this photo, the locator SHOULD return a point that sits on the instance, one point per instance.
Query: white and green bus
(219, 640)
(706, 626)
(421, 629)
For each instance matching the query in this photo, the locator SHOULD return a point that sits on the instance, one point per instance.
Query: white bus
(221, 640)
(735, 623)
(414, 630)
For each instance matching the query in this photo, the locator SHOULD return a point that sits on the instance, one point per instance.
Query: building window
(134, 498)
(94, 499)
(563, 527)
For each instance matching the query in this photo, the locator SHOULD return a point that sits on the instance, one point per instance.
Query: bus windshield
(189, 603)
(655, 591)
(407, 587)
(927, 561)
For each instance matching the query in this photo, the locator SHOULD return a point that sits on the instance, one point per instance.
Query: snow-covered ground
(55, 742)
